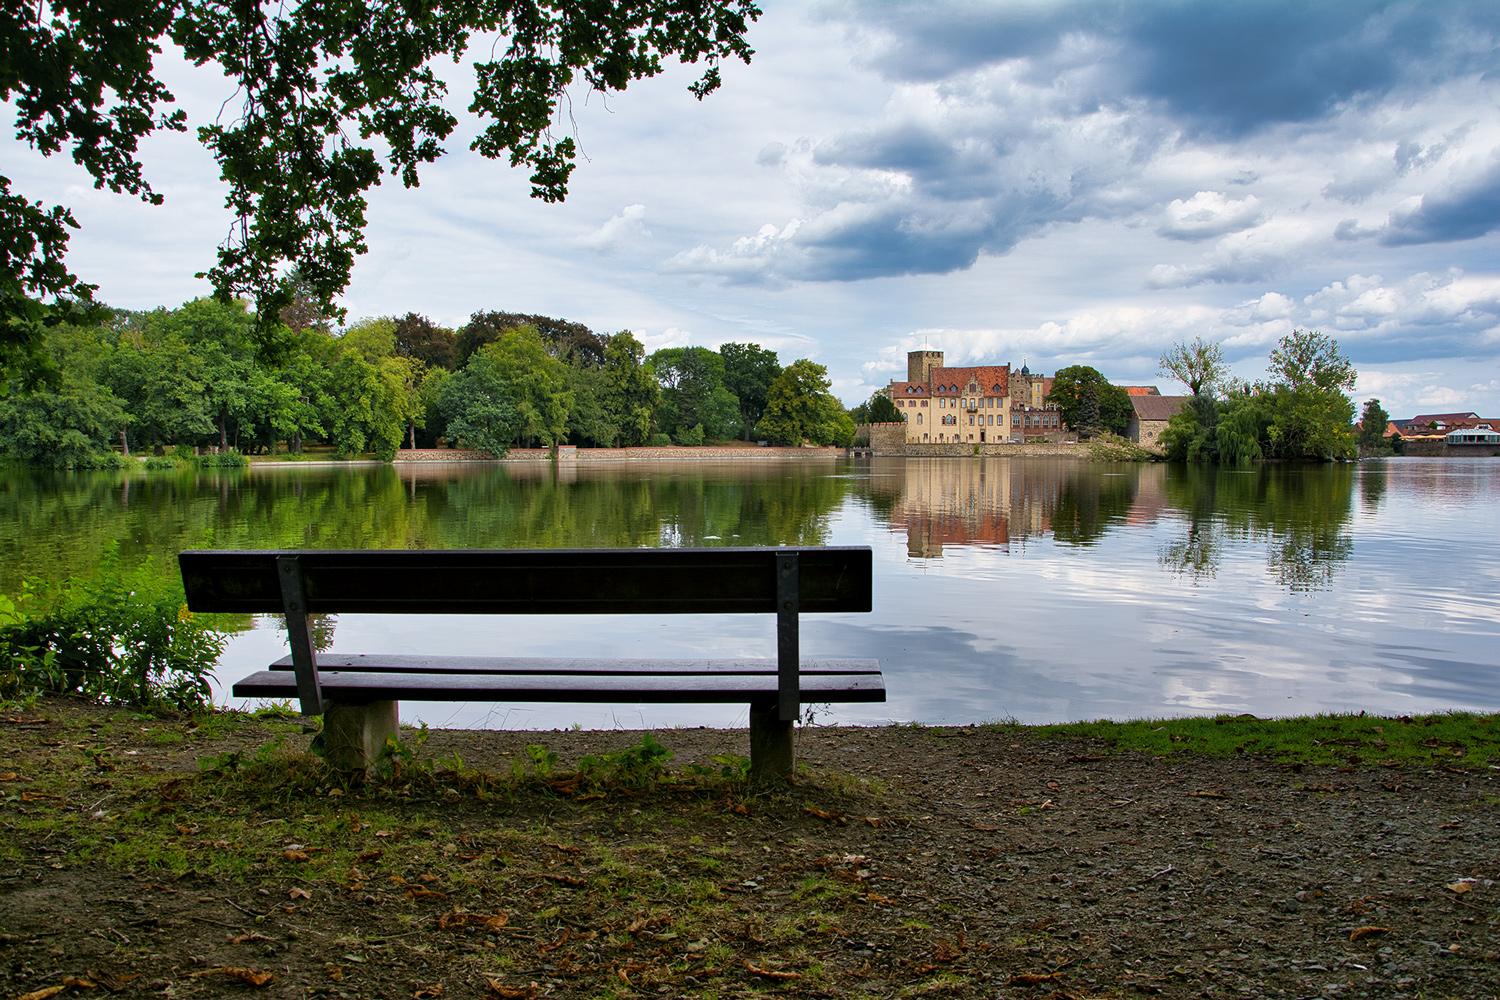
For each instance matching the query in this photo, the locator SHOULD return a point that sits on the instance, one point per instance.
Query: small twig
(1169, 868)
(242, 909)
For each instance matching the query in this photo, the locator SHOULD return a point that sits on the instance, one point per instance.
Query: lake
(1041, 590)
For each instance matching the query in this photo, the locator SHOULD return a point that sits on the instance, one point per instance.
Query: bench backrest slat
(530, 581)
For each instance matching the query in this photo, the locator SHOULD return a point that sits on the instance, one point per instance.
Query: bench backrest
(530, 581)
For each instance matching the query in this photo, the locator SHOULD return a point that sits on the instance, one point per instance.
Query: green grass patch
(1452, 739)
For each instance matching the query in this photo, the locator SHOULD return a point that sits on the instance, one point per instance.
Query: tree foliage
(321, 87)
(1198, 365)
(749, 370)
(1301, 415)
(1089, 402)
(1373, 421)
(799, 407)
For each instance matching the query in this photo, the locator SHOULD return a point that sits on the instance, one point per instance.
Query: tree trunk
(297, 441)
(413, 428)
(124, 445)
(223, 436)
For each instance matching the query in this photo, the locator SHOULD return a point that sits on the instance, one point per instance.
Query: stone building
(977, 404)
(1150, 415)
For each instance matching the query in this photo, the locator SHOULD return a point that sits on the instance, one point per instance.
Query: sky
(1054, 183)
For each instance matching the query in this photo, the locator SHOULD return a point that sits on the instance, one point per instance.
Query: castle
(978, 404)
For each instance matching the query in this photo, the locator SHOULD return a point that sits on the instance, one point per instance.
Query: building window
(919, 418)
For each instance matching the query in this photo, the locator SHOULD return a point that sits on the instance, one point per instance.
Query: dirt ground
(903, 861)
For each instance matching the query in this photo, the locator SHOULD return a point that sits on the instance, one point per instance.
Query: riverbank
(991, 861)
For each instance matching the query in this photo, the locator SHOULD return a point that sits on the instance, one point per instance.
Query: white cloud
(627, 227)
(1208, 214)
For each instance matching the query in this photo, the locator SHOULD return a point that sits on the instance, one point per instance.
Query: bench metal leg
(771, 753)
(354, 735)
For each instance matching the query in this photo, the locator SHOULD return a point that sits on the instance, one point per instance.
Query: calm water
(1041, 590)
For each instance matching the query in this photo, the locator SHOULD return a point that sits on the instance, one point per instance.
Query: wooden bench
(358, 694)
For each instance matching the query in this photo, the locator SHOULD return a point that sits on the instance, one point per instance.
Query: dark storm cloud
(1462, 212)
(1219, 68)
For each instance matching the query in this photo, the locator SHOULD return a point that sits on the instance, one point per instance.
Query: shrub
(660, 440)
(692, 437)
(1108, 447)
(223, 460)
(123, 637)
(159, 463)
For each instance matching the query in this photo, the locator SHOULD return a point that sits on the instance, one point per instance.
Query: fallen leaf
(335, 973)
(43, 993)
(252, 976)
(427, 878)
(565, 848)
(562, 939)
(296, 856)
(1462, 887)
(770, 973)
(1207, 795)
(489, 921)
(1360, 932)
(872, 820)
(425, 894)
(1033, 979)
(9, 776)
(568, 880)
(298, 893)
(370, 856)
(112, 981)
(429, 992)
(511, 992)
(831, 817)
(639, 923)
(38, 796)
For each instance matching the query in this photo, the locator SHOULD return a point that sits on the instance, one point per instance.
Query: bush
(124, 638)
(160, 463)
(692, 437)
(660, 440)
(223, 460)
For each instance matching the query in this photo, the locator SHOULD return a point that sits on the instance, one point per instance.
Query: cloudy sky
(1060, 182)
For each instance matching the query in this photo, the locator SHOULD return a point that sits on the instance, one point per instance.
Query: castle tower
(919, 365)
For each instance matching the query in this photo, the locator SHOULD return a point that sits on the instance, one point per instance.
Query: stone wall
(708, 454)
(901, 448)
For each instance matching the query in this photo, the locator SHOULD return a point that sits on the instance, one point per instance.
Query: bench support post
(299, 634)
(788, 653)
(771, 754)
(354, 735)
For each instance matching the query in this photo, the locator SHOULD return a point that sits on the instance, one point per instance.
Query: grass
(1451, 739)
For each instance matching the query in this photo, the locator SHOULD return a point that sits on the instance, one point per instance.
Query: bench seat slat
(583, 666)
(663, 688)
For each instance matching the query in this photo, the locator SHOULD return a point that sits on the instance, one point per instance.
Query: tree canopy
(331, 97)
(1198, 365)
(1088, 401)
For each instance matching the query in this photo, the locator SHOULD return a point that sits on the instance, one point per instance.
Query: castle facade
(978, 404)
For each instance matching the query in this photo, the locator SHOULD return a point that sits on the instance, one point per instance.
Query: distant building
(1150, 416)
(976, 404)
(1141, 390)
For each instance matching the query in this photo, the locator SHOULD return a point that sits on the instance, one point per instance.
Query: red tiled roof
(904, 389)
(986, 376)
(1423, 419)
(1141, 390)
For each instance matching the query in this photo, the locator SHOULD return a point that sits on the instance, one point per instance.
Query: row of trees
(205, 375)
(1301, 411)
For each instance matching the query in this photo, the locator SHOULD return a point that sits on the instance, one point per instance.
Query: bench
(357, 695)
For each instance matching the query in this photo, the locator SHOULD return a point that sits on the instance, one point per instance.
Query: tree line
(206, 375)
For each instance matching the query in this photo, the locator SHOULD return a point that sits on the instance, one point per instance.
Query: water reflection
(1042, 590)
(1300, 514)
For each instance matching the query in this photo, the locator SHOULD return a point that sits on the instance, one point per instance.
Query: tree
(1306, 360)
(564, 339)
(1088, 401)
(535, 383)
(1199, 365)
(799, 407)
(631, 394)
(323, 86)
(420, 338)
(1372, 424)
(162, 388)
(67, 428)
(693, 392)
(749, 370)
(883, 411)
